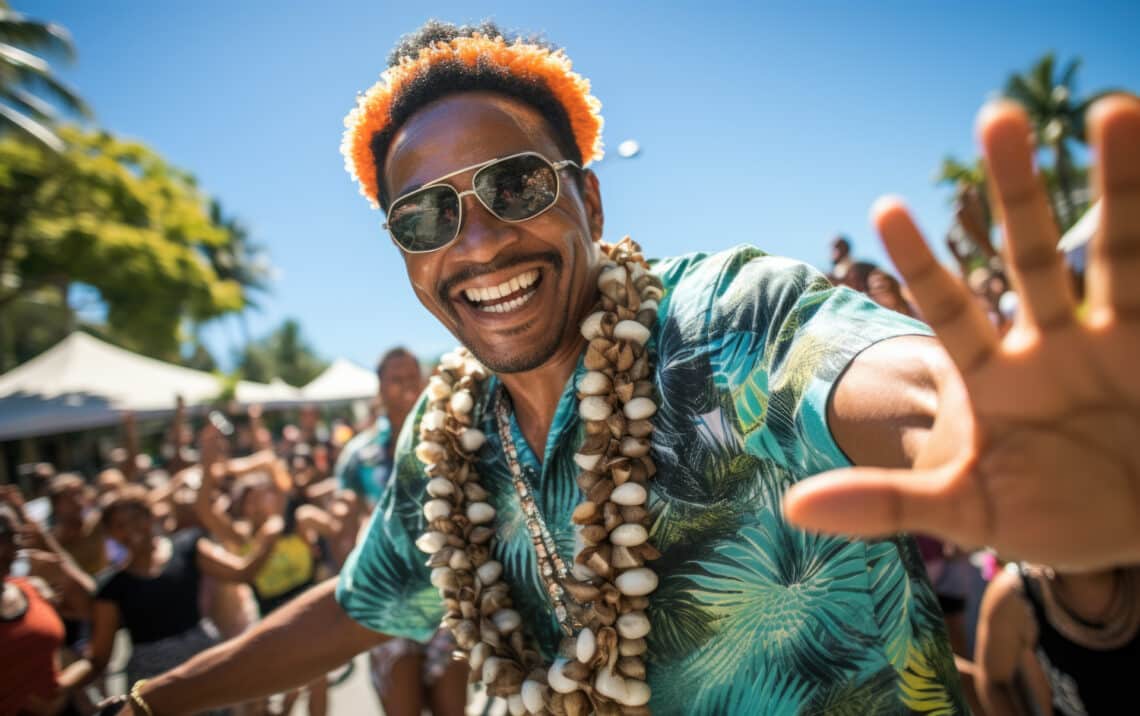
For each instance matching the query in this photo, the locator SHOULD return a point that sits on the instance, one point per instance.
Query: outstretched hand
(1035, 448)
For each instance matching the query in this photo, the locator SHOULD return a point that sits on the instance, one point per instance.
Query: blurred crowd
(179, 550)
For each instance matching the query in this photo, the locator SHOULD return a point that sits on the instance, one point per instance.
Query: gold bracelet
(137, 701)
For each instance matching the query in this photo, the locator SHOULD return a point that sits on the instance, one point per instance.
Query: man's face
(839, 250)
(401, 384)
(560, 245)
(68, 505)
(881, 291)
(131, 526)
(309, 417)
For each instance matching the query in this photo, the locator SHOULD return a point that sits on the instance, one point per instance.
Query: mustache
(445, 287)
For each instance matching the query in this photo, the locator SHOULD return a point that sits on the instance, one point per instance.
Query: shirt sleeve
(385, 584)
(347, 468)
(781, 337)
(107, 587)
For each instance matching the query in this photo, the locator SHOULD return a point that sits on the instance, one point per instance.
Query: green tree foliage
(1058, 118)
(200, 358)
(31, 97)
(113, 215)
(284, 354)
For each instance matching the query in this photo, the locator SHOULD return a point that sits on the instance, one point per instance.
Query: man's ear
(592, 200)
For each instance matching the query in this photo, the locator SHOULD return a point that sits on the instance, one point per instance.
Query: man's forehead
(459, 131)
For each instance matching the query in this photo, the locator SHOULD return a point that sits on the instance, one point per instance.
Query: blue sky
(770, 124)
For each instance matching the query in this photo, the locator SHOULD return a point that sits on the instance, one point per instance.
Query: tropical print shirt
(751, 616)
(364, 465)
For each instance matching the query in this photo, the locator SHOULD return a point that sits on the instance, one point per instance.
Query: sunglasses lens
(426, 220)
(517, 188)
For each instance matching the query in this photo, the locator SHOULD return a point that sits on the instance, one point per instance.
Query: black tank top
(1083, 681)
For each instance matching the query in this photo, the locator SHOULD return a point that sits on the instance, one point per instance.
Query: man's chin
(515, 355)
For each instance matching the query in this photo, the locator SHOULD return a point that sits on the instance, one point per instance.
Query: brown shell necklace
(600, 600)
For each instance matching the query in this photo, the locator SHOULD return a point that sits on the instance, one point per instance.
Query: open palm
(1035, 448)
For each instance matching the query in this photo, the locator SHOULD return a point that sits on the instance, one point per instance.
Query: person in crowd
(313, 431)
(366, 461)
(760, 379)
(885, 290)
(76, 524)
(364, 468)
(36, 478)
(290, 567)
(841, 259)
(109, 481)
(1064, 643)
(991, 289)
(154, 594)
(33, 679)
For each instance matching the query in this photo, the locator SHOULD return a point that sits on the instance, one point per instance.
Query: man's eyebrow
(409, 189)
(440, 180)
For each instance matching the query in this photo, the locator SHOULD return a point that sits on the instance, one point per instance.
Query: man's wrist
(156, 694)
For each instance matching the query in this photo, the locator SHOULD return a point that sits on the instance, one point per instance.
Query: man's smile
(509, 295)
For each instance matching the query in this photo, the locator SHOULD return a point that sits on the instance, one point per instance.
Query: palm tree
(1058, 118)
(30, 95)
(969, 240)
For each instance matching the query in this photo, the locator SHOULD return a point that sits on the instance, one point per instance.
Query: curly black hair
(454, 77)
(391, 355)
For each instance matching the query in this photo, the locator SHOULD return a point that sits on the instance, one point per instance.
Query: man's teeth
(510, 305)
(506, 288)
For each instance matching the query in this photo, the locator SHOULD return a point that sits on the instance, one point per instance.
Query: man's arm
(266, 659)
(882, 408)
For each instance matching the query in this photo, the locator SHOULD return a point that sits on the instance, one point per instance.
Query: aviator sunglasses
(514, 189)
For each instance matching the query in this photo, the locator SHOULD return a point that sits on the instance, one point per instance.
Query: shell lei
(601, 668)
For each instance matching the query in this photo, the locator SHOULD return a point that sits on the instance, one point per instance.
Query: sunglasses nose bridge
(480, 231)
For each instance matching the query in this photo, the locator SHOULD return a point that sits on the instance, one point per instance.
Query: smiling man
(592, 494)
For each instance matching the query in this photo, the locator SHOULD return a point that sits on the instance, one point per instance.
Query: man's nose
(482, 234)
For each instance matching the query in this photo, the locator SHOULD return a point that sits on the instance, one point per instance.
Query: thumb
(873, 502)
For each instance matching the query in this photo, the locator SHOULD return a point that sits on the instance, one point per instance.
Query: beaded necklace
(600, 601)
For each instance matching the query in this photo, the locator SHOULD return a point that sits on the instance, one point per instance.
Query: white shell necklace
(600, 601)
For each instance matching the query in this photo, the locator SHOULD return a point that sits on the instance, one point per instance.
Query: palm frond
(801, 598)
(923, 689)
(1068, 78)
(20, 67)
(680, 625)
(892, 601)
(858, 697)
(30, 128)
(31, 105)
(769, 691)
(1041, 76)
(49, 37)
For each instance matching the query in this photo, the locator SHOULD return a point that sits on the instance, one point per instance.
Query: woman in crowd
(154, 594)
(31, 632)
(885, 290)
(1059, 643)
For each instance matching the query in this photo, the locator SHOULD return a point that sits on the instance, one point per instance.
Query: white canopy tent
(342, 381)
(276, 393)
(83, 383)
